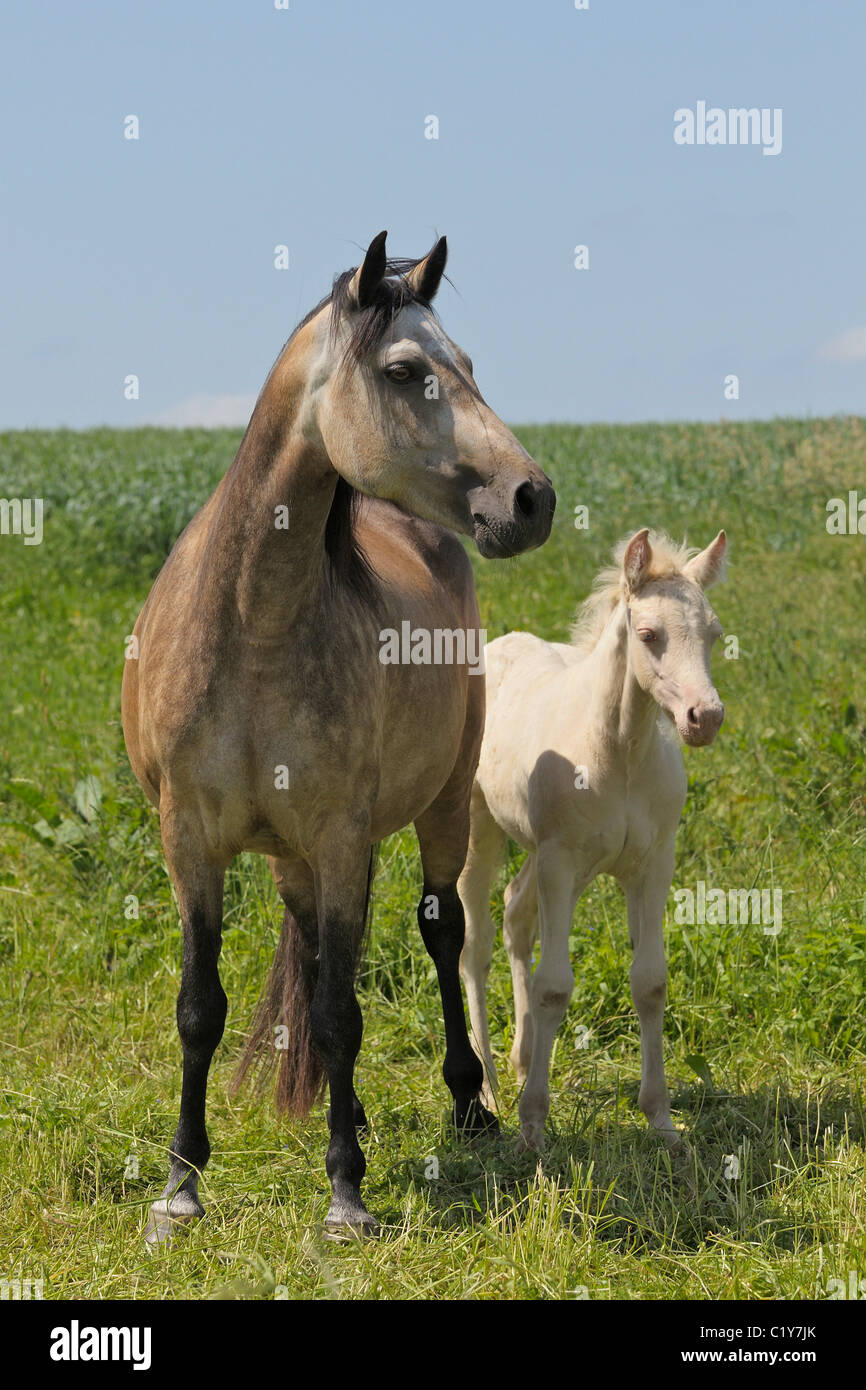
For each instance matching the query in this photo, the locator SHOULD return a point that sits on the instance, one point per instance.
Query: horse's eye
(399, 372)
(646, 634)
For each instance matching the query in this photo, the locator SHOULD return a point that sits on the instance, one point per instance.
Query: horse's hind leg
(520, 929)
(201, 1015)
(296, 886)
(443, 834)
(486, 848)
(342, 895)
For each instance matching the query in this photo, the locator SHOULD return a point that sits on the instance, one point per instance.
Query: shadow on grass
(748, 1170)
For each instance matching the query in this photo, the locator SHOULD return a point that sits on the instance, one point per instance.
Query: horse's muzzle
(502, 530)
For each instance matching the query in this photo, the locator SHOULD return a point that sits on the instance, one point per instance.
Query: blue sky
(306, 127)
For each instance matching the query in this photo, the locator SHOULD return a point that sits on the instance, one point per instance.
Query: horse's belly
(420, 754)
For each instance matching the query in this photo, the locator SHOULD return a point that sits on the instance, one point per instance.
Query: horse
(580, 766)
(259, 716)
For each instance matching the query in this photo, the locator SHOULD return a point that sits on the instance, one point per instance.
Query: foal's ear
(368, 276)
(709, 567)
(424, 279)
(636, 560)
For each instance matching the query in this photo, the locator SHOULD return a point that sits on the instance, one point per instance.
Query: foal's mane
(348, 564)
(668, 559)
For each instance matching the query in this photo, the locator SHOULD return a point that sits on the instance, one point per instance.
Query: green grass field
(765, 1035)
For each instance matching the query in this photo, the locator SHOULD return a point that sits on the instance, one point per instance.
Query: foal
(578, 768)
(259, 716)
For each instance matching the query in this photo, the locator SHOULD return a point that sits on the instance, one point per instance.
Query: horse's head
(397, 408)
(672, 629)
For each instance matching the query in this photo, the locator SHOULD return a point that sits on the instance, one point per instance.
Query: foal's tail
(281, 1035)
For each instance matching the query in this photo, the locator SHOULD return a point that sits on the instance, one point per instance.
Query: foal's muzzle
(702, 723)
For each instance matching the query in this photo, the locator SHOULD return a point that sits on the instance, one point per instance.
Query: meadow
(765, 1034)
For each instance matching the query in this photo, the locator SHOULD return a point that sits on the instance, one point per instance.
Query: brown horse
(260, 715)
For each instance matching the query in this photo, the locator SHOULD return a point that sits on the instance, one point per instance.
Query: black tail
(281, 1036)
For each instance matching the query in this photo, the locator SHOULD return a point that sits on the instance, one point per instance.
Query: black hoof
(471, 1118)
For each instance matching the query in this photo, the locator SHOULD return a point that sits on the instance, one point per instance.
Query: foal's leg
(201, 1015)
(520, 929)
(486, 848)
(342, 890)
(646, 905)
(443, 832)
(552, 982)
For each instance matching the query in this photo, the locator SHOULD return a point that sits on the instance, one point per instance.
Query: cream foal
(578, 767)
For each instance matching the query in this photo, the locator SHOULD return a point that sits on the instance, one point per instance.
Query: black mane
(348, 564)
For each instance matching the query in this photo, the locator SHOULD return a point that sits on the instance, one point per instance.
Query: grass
(765, 1036)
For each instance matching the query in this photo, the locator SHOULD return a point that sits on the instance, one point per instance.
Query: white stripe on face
(416, 324)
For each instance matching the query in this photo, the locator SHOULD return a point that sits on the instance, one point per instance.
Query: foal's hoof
(489, 1100)
(671, 1138)
(473, 1119)
(168, 1217)
(530, 1140)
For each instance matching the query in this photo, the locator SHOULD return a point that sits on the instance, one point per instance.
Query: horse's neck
(266, 539)
(624, 715)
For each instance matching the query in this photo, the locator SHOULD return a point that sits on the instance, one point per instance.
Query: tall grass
(765, 1035)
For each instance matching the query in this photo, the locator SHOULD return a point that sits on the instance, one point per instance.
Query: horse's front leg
(342, 893)
(552, 983)
(443, 836)
(440, 918)
(646, 900)
(201, 1015)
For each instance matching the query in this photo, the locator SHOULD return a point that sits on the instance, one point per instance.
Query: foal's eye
(399, 372)
(646, 635)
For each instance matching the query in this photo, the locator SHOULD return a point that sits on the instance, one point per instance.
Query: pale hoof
(489, 1101)
(171, 1216)
(344, 1232)
(530, 1141)
(671, 1137)
(348, 1219)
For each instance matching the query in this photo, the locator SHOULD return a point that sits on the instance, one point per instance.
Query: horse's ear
(636, 560)
(368, 276)
(424, 279)
(709, 566)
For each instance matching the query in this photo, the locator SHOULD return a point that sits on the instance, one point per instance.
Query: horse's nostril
(693, 716)
(524, 499)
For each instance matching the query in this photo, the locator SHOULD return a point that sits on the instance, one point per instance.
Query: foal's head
(397, 408)
(672, 629)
